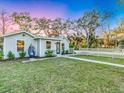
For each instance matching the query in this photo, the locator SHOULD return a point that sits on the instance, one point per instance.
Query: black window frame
(48, 44)
(20, 48)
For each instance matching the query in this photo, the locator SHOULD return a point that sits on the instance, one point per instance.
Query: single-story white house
(21, 40)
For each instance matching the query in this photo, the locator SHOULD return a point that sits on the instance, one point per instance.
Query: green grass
(60, 75)
(100, 58)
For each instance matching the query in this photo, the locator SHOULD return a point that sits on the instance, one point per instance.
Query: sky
(72, 9)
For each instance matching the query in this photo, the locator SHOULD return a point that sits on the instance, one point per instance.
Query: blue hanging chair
(31, 51)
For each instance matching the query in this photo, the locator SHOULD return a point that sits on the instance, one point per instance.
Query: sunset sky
(62, 8)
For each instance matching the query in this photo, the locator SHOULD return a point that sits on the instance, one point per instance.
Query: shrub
(121, 44)
(49, 53)
(63, 52)
(66, 52)
(10, 55)
(84, 46)
(22, 54)
(1, 55)
(71, 45)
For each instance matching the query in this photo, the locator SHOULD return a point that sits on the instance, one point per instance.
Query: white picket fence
(106, 52)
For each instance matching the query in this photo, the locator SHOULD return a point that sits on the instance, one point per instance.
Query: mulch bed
(15, 60)
(19, 60)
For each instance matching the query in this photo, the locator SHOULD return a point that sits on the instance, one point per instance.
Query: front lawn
(60, 75)
(100, 58)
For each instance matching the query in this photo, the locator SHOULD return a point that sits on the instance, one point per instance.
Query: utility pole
(3, 13)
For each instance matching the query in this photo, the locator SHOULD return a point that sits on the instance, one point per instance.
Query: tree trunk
(3, 22)
(87, 34)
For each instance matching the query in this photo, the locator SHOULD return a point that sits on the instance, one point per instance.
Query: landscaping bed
(14, 60)
(22, 59)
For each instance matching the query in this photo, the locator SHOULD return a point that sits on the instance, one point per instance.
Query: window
(48, 45)
(20, 45)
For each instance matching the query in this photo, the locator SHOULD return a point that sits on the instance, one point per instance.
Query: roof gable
(35, 37)
(15, 33)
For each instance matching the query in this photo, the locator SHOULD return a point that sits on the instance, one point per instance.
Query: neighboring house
(20, 41)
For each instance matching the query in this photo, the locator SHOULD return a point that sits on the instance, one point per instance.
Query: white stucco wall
(43, 49)
(10, 43)
(66, 43)
(38, 47)
(53, 45)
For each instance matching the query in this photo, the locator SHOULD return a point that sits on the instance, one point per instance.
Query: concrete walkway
(75, 58)
(40, 59)
(94, 61)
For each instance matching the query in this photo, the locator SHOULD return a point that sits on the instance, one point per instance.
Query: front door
(58, 48)
(63, 47)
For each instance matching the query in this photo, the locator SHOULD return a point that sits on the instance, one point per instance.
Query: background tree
(23, 19)
(59, 27)
(76, 37)
(90, 22)
(106, 39)
(50, 27)
(117, 34)
(41, 26)
(3, 14)
(77, 40)
(5, 22)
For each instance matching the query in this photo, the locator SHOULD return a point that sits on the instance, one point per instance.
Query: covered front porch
(57, 46)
